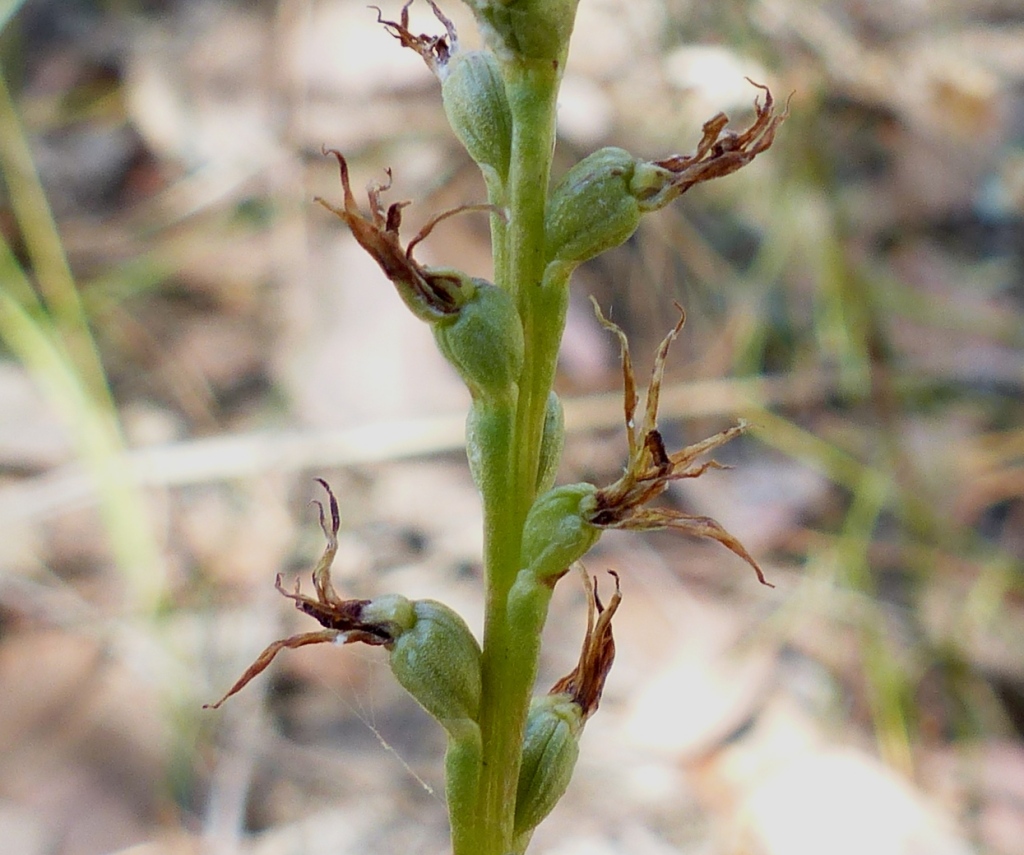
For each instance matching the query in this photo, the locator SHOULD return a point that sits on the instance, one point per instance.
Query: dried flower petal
(585, 683)
(720, 152)
(431, 293)
(340, 618)
(435, 50)
(651, 468)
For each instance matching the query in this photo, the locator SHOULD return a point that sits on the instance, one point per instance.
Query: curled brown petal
(322, 572)
(656, 519)
(431, 294)
(378, 235)
(341, 619)
(435, 50)
(267, 656)
(585, 683)
(651, 468)
(720, 151)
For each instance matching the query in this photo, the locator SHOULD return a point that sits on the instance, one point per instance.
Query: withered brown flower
(720, 152)
(650, 468)
(585, 683)
(341, 619)
(435, 50)
(430, 293)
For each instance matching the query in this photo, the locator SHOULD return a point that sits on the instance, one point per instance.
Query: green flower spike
(556, 720)
(432, 652)
(651, 468)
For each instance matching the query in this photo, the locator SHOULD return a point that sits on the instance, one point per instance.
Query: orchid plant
(510, 755)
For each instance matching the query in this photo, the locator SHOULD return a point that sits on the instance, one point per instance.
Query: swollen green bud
(557, 531)
(555, 721)
(474, 99)
(599, 202)
(526, 29)
(551, 443)
(593, 207)
(483, 340)
(550, 750)
(432, 652)
(437, 661)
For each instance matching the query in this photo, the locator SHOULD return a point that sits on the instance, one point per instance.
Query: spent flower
(432, 652)
(475, 323)
(599, 202)
(472, 93)
(565, 522)
(720, 152)
(556, 720)
(651, 468)
(430, 293)
(436, 51)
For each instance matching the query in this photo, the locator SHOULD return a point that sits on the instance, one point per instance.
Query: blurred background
(186, 341)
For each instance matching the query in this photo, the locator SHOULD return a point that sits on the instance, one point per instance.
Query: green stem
(496, 196)
(509, 665)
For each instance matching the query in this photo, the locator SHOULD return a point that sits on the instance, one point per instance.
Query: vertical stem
(509, 667)
(496, 196)
(533, 89)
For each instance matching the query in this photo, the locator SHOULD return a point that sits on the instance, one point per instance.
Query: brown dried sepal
(430, 294)
(340, 618)
(651, 468)
(585, 683)
(720, 151)
(435, 50)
